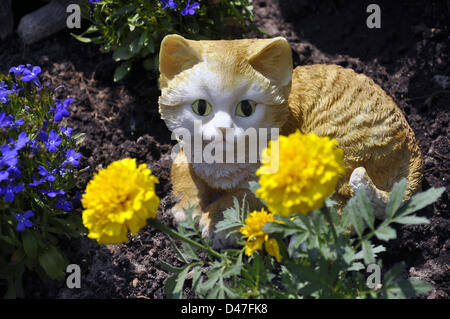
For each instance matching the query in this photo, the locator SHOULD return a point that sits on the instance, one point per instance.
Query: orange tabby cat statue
(240, 84)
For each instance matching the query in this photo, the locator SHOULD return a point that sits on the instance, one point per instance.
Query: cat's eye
(201, 107)
(245, 108)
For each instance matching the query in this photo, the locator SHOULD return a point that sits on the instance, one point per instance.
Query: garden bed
(122, 120)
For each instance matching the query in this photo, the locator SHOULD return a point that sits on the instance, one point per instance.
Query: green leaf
(356, 220)
(295, 242)
(407, 289)
(235, 269)
(386, 233)
(93, 28)
(125, 10)
(196, 278)
(178, 251)
(179, 283)
(369, 256)
(419, 201)
(134, 47)
(392, 274)
(213, 277)
(230, 220)
(30, 244)
(169, 286)
(146, 41)
(122, 53)
(356, 266)
(412, 220)
(86, 40)
(189, 251)
(121, 71)
(375, 251)
(169, 267)
(53, 262)
(365, 207)
(395, 198)
(283, 229)
(414, 287)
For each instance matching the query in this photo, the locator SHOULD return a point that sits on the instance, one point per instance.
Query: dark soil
(405, 57)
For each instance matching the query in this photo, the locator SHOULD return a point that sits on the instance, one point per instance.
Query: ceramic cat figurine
(251, 83)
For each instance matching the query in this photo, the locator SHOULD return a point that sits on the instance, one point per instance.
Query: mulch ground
(405, 57)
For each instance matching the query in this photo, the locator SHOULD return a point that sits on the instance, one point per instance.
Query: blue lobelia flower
(9, 156)
(64, 205)
(31, 75)
(169, 3)
(8, 121)
(52, 192)
(44, 125)
(45, 174)
(14, 172)
(35, 182)
(93, 1)
(52, 141)
(15, 124)
(4, 96)
(77, 196)
(5, 120)
(22, 141)
(67, 131)
(9, 191)
(61, 109)
(72, 157)
(34, 146)
(190, 8)
(23, 220)
(4, 175)
(17, 69)
(4, 93)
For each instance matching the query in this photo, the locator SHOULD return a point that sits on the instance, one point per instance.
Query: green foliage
(34, 247)
(321, 258)
(133, 29)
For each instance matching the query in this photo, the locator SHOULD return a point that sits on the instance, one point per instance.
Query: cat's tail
(412, 171)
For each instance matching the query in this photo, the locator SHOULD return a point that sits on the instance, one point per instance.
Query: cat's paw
(361, 180)
(220, 240)
(178, 214)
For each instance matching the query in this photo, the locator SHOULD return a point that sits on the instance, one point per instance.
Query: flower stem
(163, 228)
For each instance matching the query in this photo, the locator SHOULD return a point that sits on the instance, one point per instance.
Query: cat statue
(238, 84)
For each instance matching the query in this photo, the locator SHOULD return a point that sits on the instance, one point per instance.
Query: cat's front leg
(188, 189)
(214, 214)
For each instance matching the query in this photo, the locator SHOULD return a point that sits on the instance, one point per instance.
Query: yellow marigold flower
(256, 236)
(119, 199)
(308, 172)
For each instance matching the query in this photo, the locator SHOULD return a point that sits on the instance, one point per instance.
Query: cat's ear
(274, 60)
(176, 55)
